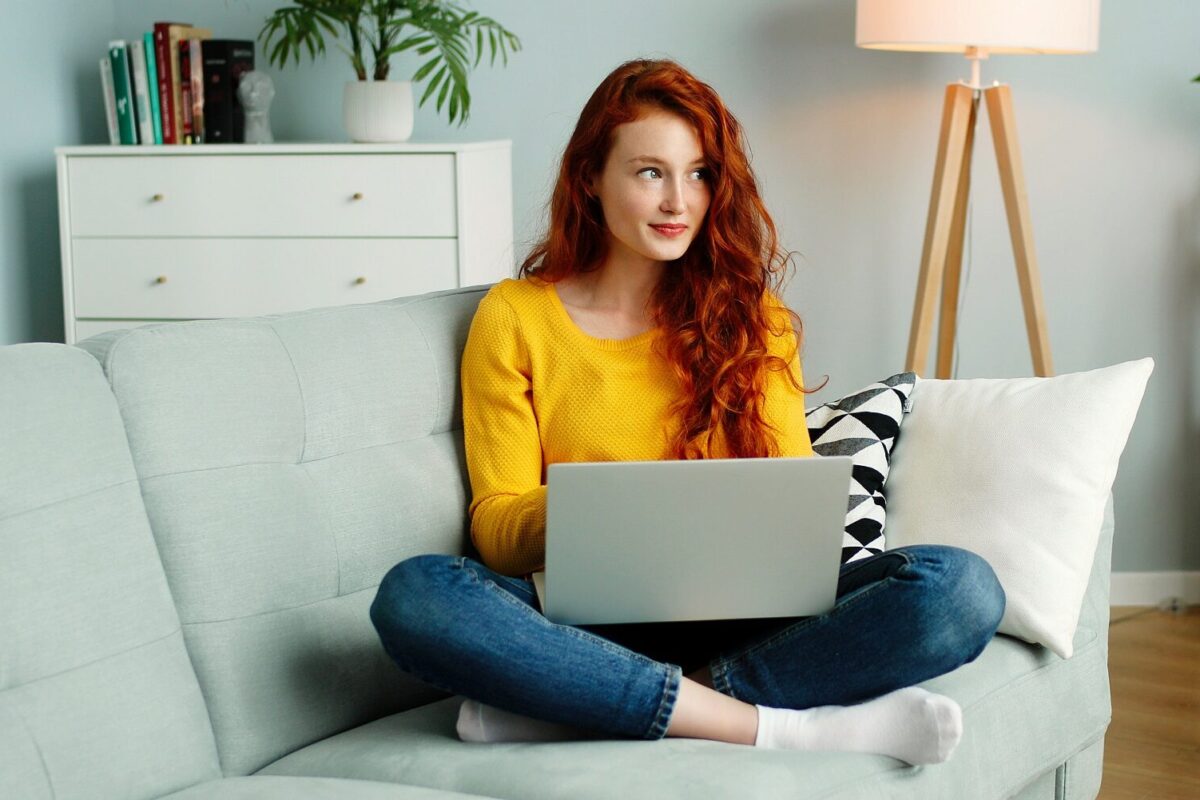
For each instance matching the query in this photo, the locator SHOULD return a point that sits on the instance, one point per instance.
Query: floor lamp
(977, 29)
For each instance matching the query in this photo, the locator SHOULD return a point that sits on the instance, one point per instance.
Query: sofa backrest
(286, 463)
(97, 696)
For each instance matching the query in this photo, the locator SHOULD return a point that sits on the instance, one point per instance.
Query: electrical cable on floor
(1134, 615)
(1170, 606)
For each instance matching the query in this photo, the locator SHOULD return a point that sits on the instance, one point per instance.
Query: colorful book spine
(196, 77)
(110, 101)
(166, 94)
(225, 62)
(123, 89)
(176, 32)
(185, 92)
(152, 81)
(141, 92)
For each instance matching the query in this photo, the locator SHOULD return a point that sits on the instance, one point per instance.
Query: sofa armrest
(1095, 611)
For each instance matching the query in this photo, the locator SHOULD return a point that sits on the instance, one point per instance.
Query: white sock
(910, 724)
(478, 722)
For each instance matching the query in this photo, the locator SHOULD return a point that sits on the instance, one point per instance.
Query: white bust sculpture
(255, 91)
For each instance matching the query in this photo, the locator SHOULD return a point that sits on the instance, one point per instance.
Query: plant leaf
(442, 94)
(441, 73)
(426, 68)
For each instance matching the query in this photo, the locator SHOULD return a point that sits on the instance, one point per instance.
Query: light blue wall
(50, 90)
(843, 142)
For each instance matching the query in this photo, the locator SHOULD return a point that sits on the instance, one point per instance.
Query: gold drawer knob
(158, 198)
(356, 196)
(161, 279)
(360, 280)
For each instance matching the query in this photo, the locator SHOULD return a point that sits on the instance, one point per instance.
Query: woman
(647, 325)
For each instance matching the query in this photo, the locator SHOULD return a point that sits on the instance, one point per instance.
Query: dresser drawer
(257, 195)
(199, 278)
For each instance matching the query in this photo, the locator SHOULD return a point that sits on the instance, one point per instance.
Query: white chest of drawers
(153, 234)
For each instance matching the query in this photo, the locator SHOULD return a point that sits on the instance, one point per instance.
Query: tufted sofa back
(97, 696)
(286, 463)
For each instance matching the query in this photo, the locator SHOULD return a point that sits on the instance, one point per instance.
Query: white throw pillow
(1018, 471)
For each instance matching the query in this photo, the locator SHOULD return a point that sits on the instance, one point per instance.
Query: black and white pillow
(864, 426)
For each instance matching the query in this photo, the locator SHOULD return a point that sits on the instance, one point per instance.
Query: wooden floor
(1152, 750)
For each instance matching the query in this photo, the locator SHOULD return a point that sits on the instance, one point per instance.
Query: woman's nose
(673, 197)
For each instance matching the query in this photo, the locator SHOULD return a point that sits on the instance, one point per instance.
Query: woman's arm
(500, 433)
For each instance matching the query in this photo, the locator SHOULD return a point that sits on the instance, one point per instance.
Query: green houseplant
(449, 38)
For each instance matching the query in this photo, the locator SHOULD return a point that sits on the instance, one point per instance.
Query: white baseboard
(1151, 588)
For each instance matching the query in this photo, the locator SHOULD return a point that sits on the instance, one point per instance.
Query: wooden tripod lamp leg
(1016, 204)
(956, 113)
(948, 320)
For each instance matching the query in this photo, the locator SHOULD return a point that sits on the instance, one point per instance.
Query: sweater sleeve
(503, 449)
(784, 403)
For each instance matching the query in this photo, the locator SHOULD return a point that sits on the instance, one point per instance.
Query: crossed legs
(901, 618)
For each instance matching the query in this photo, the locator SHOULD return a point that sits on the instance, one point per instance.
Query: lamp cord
(962, 287)
(966, 275)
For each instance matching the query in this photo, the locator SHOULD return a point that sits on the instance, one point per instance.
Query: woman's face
(654, 188)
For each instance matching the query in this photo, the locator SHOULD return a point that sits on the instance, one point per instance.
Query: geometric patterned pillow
(863, 425)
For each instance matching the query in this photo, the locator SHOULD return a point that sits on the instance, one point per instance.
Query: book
(152, 81)
(141, 92)
(225, 62)
(166, 94)
(175, 33)
(123, 90)
(195, 75)
(185, 92)
(110, 101)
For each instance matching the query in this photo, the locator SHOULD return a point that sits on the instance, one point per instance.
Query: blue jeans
(901, 617)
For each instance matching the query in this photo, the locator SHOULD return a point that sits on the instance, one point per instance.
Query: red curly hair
(712, 302)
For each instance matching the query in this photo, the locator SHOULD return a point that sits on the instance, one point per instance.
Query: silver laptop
(663, 541)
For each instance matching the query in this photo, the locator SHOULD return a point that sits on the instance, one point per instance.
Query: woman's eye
(700, 173)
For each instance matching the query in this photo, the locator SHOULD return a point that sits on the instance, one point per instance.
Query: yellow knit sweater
(537, 390)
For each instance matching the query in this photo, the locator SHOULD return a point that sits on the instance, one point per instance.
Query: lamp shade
(1000, 26)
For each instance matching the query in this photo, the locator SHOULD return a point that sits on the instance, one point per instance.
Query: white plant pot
(378, 111)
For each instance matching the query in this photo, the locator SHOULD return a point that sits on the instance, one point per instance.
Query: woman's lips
(670, 231)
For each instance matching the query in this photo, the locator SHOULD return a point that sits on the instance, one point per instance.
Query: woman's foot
(910, 724)
(478, 722)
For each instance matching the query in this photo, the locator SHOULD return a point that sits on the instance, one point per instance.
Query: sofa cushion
(264, 787)
(97, 696)
(1056, 705)
(1026, 711)
(287, 462)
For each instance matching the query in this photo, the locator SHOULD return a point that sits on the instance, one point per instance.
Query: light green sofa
(193, 521)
